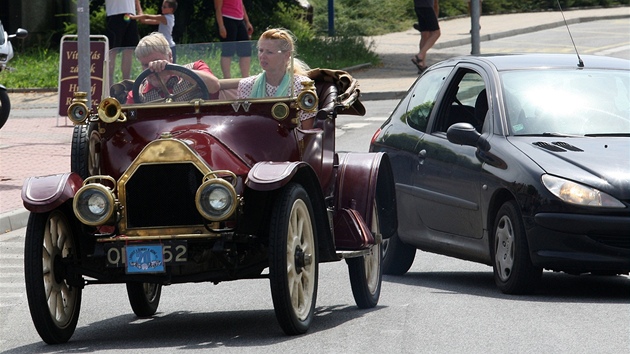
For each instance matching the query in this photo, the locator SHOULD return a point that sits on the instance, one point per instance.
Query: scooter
(6, 53)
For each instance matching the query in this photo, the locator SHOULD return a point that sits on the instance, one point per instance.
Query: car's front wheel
(514, 272)
(144, 298)
(365, 271)
(293, 268)
(53, 302)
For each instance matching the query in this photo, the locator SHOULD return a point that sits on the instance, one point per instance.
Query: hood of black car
(600, 162)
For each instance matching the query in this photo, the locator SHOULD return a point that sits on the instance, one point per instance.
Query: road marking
(354, 125)
(377, 119)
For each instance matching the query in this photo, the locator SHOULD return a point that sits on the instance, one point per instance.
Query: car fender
(2, 87)
(45, 193)
(269, 175)
(363, 178)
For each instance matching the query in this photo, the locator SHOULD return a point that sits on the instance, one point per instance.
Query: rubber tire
(293, 287)
(63, 299)
(144, 298)
(80, 158)
(5, 107)
(510, 253)
(397, 256)
(366, 272)
(203, 89)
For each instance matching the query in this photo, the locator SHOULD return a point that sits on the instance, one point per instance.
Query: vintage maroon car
(207, 190)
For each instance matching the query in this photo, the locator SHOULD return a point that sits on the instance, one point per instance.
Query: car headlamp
(307, 101)
(216, 199)
(94, 204)
(576, 193)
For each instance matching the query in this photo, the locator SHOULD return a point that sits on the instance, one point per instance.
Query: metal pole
(83, 47)
(475, 13)
(331, 18)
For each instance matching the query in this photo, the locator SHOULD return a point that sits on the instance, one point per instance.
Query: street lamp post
(83, 46)
(475, 13)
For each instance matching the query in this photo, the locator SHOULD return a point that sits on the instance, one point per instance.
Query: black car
(521, 162)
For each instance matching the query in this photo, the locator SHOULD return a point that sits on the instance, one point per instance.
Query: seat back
(481, 108)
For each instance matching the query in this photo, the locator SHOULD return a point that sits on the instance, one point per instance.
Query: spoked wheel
(144, 298)
(365, 271)
(54, 303)
(513, 269)
(5, 107)
(293, 268)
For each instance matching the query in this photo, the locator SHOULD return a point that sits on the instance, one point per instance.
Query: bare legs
(243, 63)
(125, 64)
(427, 40)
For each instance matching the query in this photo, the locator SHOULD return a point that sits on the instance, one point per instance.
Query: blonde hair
(152, 43)
(287, 44)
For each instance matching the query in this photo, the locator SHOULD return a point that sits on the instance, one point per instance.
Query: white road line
(354, 125)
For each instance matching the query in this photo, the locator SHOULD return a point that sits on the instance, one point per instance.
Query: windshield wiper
(609, 134)
(562, 135)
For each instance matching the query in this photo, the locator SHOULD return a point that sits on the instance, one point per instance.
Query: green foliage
(195, 23)
(34, 68)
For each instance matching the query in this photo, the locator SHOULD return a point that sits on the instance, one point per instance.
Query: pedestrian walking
(427, 13)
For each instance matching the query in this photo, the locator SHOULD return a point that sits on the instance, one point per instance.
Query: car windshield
(567, 102)
(266, 57)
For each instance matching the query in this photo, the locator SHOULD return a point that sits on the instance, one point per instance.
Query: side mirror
(21, 33)
(465, 134)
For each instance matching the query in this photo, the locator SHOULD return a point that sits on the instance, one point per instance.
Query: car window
(568, 102)
(465, 102)
(423, 98)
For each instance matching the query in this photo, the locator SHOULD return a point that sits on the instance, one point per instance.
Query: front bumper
(580, 243)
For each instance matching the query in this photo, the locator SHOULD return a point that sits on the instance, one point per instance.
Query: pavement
(41, 146)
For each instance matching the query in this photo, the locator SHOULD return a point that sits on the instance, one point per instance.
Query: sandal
(416, 60)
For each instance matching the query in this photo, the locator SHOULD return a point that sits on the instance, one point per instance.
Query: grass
(34, 68)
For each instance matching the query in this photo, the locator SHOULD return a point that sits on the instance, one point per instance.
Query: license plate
(170, 252)
(144, 259)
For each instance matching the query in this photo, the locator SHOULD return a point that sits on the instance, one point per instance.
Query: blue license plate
(144, 259)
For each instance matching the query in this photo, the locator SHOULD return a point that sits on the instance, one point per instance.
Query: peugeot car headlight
(216, 199)
(575, 193)
(94, 204)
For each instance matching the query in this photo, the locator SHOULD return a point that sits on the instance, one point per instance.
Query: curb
(13, 220)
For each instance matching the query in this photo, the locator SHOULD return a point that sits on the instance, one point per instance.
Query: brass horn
(109, 111)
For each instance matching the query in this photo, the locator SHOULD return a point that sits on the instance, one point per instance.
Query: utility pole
(331, 18)
(83, 47)
(475, 13)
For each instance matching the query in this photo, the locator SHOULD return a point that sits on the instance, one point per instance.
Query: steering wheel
(193, 86)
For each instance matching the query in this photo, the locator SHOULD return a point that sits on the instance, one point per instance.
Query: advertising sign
(69, 71)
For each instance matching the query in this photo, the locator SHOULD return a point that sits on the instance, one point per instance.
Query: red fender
(45, 193)
(363, 178)
(268, 175)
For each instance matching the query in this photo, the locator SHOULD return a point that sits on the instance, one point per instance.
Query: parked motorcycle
(6, 53)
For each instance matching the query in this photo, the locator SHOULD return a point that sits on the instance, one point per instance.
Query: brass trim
(109, 111)
(280, 110)
(157, 237)
(165, 150)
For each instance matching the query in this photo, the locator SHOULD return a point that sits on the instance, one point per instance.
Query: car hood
(600, 162)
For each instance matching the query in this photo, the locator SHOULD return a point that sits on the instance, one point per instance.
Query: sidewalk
(38, 146)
